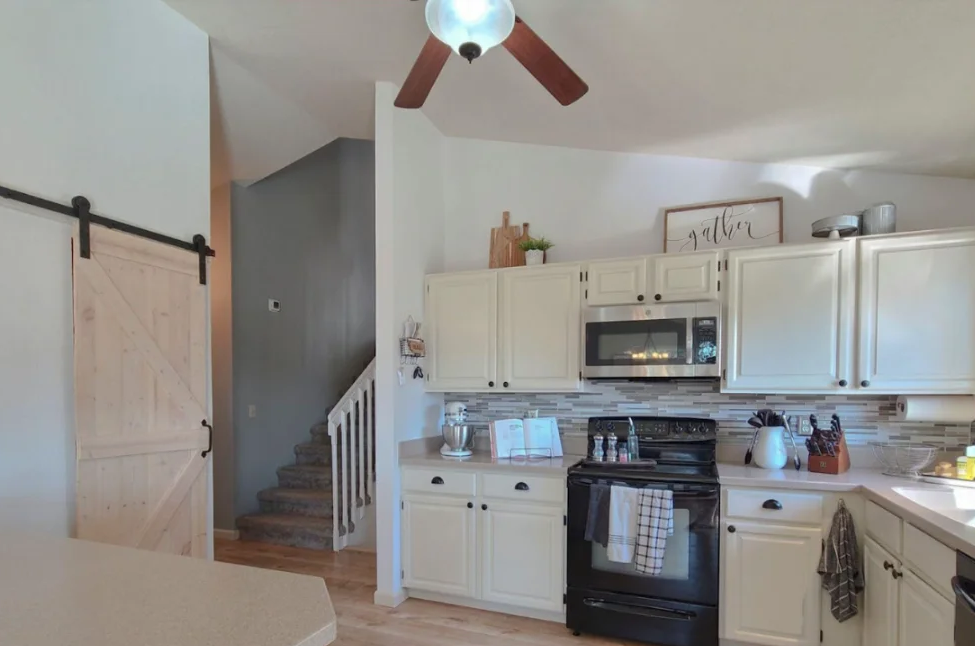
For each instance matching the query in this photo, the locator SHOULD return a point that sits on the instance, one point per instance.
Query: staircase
(320, 497)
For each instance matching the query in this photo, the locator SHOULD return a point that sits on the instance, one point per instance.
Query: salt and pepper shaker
(611, 453)
(597, 448)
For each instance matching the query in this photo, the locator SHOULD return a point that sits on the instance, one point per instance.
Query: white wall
(409, 245)
(108, 99)
(595, 204)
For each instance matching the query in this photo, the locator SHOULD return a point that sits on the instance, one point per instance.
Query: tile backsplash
(865, 418)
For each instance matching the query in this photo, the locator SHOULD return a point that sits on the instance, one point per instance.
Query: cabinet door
(916, 309)
(790, 319)
(439, 545)
(926, 618)
(771, 588)
(880, 596)
(617, 282)
(460, 329)
(685, 277)
(540, 336)
(522, 555)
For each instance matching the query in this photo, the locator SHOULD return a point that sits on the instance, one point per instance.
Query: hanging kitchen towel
(597, 521)
(623, 503)
(655, 522)
(840, 565)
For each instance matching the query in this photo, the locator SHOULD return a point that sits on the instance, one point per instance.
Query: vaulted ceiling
(885, 84)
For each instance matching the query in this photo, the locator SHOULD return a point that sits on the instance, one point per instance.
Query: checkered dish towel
(840, 565)
(622, 523)
(655, 523)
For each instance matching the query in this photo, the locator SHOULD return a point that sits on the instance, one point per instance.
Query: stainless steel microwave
(677, 340)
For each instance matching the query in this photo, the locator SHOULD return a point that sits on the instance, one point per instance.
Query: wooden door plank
(97, 448)
(168, 504)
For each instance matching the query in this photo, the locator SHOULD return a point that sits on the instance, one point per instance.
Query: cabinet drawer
(929, 559)
(884, 527)
(438, 481)
(792, 507)
(523, 487)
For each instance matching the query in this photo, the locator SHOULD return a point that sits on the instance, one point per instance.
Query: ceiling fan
(470, 28)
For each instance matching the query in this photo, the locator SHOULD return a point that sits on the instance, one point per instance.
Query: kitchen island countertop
(69, 592)
(483, 461)
(955, 527)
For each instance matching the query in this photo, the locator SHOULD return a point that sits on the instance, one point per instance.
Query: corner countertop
(482, 461)
(956, 530)
(77, 593)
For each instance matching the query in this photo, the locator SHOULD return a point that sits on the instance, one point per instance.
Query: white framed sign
(723, 225)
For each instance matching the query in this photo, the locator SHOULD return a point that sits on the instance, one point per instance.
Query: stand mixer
(458, 436)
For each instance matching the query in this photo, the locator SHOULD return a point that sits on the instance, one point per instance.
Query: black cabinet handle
(843, 383)
(657, 297)
(483, 507)
(505, 384)
(470, 505)
(490, 384)
(772, 504)
(865, 383)
(521, 486)
(896, 574)
(437, 480)
(209, 448)
(731, 529)
(640, 298)
(888, 565)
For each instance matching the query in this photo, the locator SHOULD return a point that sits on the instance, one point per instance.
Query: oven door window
(657, 342)
(677, 555)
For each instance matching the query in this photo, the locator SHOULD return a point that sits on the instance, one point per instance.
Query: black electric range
(679, 607)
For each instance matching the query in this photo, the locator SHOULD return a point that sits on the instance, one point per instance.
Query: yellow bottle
(970, 463)
(961, 472)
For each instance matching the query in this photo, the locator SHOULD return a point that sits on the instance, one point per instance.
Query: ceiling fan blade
(424, 74)
(544, 64)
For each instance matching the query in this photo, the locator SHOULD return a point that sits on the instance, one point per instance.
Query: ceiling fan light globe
(485, 23)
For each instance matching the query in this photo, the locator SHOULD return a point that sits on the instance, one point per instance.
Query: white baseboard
(226, 534)
(544, 615)
(389, 600)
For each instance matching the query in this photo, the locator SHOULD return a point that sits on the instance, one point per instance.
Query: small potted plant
(535, 249)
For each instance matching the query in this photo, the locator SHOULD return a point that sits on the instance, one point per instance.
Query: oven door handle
(958, 584)
(640, 611)
(704, 490)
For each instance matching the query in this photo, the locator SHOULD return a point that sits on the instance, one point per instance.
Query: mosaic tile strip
(866, 418)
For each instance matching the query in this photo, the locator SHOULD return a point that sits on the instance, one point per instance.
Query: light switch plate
(273, 305)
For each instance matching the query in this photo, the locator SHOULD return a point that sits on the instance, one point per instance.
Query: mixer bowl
(458, 436)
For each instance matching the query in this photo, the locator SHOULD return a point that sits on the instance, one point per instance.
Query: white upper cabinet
(460, 327)
(685, 277)
(540, 328)
(617, 282)
(789, 324)
(917, 304)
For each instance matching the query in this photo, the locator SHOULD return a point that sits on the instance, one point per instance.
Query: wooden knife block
(832, 465)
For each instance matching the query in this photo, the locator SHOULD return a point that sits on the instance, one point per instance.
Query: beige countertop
(953, 527)
(67, 592)
(431, 458)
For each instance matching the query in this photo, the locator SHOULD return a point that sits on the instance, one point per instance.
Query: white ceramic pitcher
(770, 451)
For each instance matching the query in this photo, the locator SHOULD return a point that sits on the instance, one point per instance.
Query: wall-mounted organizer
(412, 348)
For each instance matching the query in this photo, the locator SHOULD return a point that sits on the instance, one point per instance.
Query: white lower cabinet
(439, 545)
(926, 618)
(771, 589)
(880, 607)
(507, 550)
(522, 555)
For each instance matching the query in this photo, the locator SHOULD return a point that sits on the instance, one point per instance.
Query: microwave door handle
(689, 340)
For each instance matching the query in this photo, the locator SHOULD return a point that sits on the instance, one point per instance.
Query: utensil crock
(770, 451)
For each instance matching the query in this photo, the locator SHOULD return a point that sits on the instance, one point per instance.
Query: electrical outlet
(273, 305)
(252, 411)
(805, 428)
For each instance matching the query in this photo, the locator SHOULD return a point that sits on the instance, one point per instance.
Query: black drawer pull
(888, 565)
(437, 480)
(772, 504)
(731, 529)
(483, 507)
(521, 486)
(470, 505)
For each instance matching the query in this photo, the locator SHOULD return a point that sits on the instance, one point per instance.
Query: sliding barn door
(140, 359)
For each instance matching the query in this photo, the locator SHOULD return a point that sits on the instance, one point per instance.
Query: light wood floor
(351, 580)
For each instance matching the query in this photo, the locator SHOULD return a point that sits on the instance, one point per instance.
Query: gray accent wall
(304, 236)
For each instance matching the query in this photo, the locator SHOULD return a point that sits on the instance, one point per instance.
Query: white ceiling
(884, 84)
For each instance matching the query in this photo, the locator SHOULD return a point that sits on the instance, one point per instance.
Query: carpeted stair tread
(304, 502)
(287, 529)
(305, 476)
(313, 453)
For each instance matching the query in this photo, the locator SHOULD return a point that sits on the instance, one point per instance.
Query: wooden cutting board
(504, 244)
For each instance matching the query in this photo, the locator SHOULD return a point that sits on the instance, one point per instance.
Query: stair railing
(352, 434)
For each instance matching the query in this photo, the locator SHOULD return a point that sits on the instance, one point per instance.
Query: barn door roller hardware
(81, 209)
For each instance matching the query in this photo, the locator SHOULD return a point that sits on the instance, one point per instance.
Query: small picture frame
(723, 225)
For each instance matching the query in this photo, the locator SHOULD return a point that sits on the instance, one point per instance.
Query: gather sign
(723, 225)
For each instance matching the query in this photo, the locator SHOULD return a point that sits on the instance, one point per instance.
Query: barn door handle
(209, 439)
